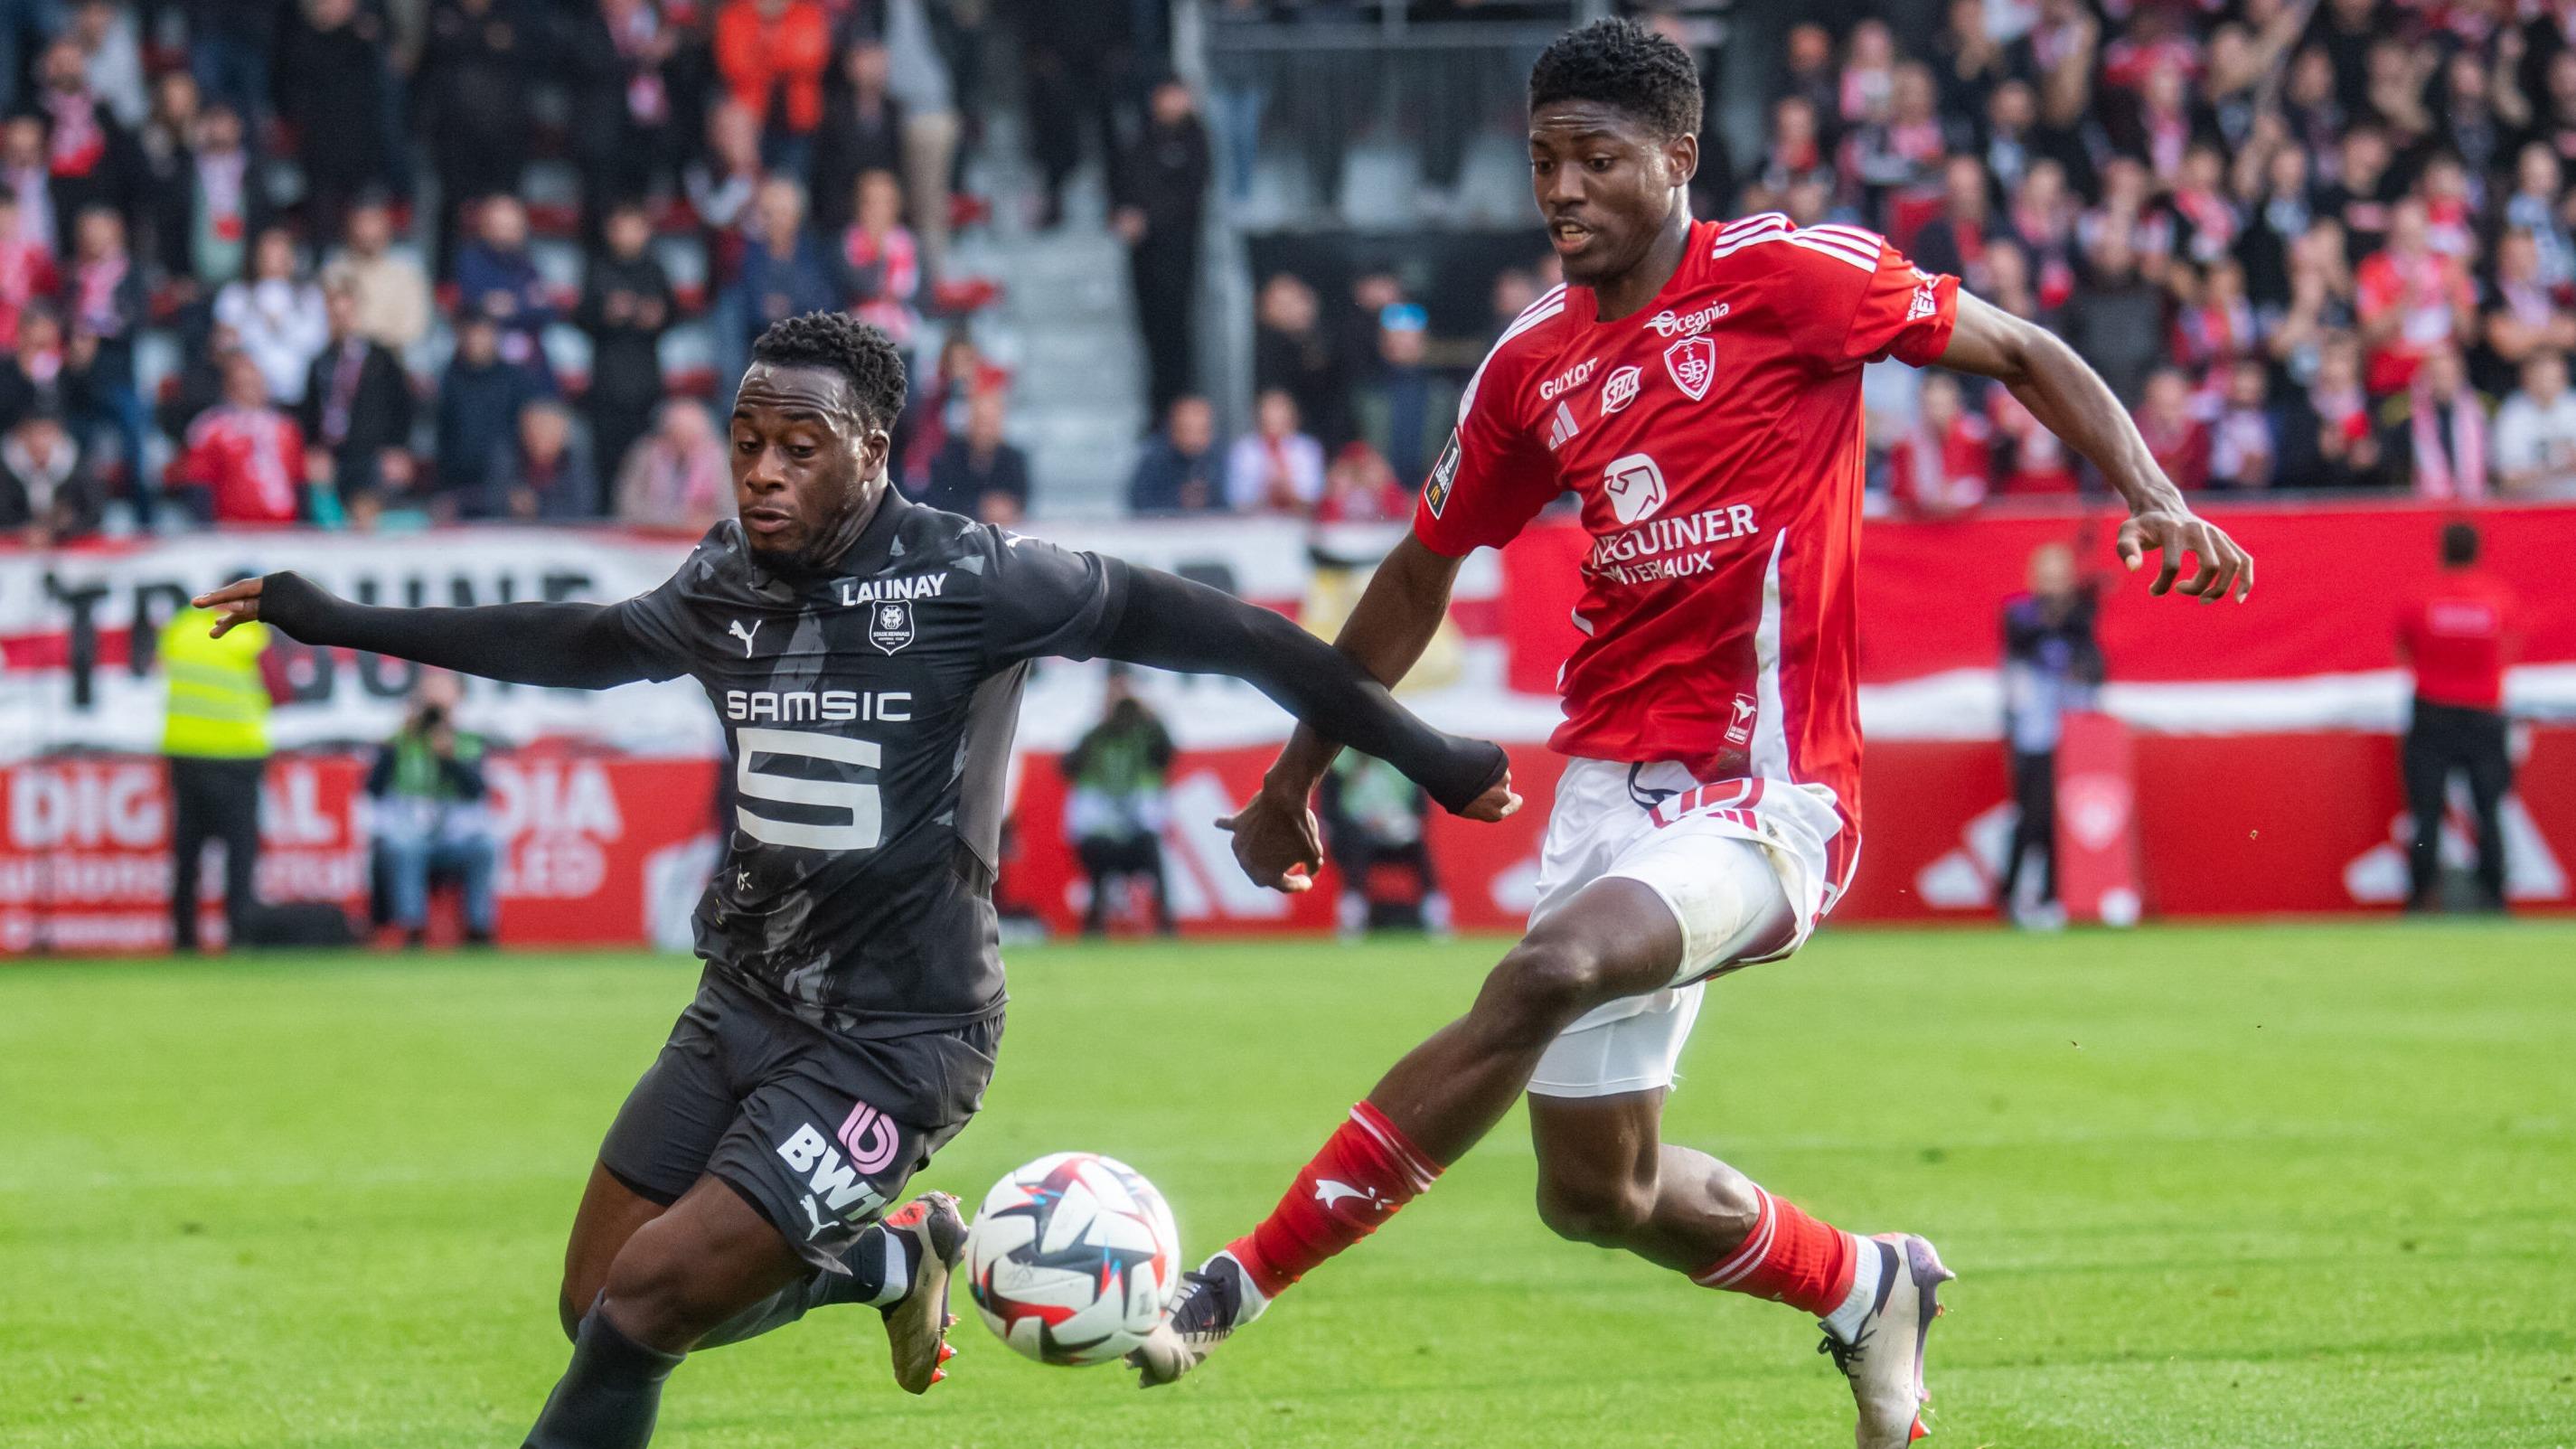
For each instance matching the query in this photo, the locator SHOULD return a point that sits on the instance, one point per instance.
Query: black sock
(608, 1397)
(879, 1270)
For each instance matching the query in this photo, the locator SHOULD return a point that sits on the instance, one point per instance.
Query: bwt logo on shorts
(840, 1185)
(871, 1137)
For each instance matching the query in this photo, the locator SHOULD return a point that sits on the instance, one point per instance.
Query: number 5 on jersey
(860, 831)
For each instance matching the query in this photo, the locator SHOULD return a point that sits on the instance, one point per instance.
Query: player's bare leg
(610, 1213)
(1606, 1177)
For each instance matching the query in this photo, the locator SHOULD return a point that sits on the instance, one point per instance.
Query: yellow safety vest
(218, 702)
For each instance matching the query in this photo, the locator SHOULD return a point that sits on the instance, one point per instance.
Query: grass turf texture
(2227, 1187)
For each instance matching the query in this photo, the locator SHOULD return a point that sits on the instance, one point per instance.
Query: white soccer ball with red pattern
(1073, 1259)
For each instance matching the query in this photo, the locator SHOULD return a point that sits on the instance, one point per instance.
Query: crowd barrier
(2261, 758)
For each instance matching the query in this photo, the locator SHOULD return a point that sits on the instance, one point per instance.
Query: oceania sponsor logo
(1669, 323)
(1568, 380)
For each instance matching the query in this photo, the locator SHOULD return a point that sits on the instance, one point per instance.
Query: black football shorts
(819, 1132)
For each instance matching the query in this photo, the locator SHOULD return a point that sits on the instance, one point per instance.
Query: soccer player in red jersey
(1698, 385)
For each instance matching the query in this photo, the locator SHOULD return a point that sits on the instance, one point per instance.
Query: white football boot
(1215, 1299)
(933, 1232)
(1884, 1356)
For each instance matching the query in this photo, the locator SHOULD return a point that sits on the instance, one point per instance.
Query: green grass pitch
(2232, 1188)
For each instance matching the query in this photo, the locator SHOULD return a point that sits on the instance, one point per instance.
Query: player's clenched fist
(234, 604)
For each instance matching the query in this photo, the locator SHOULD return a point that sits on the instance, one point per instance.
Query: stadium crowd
(362, 262)
(2315, 245)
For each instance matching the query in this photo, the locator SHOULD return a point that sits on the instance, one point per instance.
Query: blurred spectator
(338, 101)
(2038, 463)
(197, 387)
(1116, 805)
(544, 474)
(26, 271)
(429, 818)
(245, 457)
(209, 202)
(939, 409)
(1945, 463)
(1291, 350)
(2177, 440)
(2523, 314)
(40, 376)
(861, 131)
(1068, 55)
(2244, 439)
(496, 276)
(46, 493)
(475, 79)
(2457, 638)
(2413, 300)
(278, 313)
(921, 52)
(112, 58)
(1359, 487)
(1407, 410)
(214, 736)
(89, 153)
(1162, 184)
(27, 175)
(105, 308)
(2535, 432)
(771, 55)
(2115, 320)
(2052, 664)
(786, 271)
(620, 54)
(1275, 468)
(1955, 240)
(979, 474)
(722, 184)
(229, 45)
(357, 404)
(2444, 455)
(626, 306)
(1374, 822)
(394, 303)
(2347, 451)
(879, 259)
(1177, 473)
(2537, 208)
(675, 477)
(479, 400)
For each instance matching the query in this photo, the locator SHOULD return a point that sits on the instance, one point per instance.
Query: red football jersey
(2459, 636)
(1715, 440)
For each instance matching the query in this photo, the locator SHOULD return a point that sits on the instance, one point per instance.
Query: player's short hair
(2459, 544)
(837, 342)
(1622, 64)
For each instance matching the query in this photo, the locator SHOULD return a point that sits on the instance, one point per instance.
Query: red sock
(1788, 1258)
(1365, 1172)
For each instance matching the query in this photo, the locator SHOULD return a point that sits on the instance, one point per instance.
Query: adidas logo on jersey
(1564, 429)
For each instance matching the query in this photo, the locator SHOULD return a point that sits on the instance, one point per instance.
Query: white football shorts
(1729, 877)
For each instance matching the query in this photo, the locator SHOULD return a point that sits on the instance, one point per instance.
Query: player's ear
(1681, 158)
(875, 446)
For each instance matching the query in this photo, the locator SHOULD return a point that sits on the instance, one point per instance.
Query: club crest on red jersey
(1693, 365)
(1620, 389)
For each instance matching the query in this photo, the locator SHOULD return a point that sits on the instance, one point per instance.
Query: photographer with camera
(429, 792)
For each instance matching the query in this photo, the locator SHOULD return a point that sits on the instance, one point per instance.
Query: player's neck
(1631, 290)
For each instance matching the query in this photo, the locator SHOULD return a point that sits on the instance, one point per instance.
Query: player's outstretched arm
(1172, 623)
(2070, 399)
(574, 646)
(1276, 839)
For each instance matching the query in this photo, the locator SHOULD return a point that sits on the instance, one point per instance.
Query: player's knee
(569, 1310)
(1540, 987)
(1606, 1212)
(657, 1300)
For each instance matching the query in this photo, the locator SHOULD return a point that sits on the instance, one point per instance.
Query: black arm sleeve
(576, 646)
(1172, 623)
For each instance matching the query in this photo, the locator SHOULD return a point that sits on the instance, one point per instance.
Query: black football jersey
(869, 710)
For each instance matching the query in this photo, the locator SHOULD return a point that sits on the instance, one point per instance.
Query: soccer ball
(1073, 1259)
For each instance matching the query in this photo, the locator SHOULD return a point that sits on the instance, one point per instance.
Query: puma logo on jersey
(1668, 323)
(736, 630)
(1329, 1192)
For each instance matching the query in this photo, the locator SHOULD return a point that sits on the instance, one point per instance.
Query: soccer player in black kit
(866, 655)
